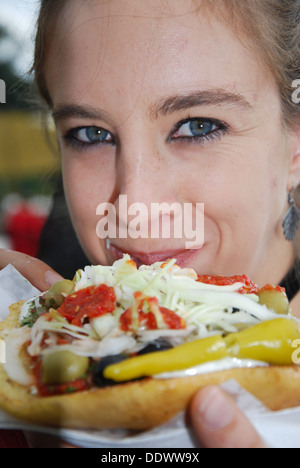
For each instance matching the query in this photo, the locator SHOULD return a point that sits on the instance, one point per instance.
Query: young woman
(179, 102)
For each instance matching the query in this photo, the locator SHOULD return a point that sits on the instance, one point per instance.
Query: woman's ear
(294, 169)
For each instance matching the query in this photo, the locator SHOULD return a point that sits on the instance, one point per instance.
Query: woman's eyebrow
(213, 97)
(77, 111)
(163, 107)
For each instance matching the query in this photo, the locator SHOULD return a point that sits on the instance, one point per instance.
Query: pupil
(198, 127)
(95, 133)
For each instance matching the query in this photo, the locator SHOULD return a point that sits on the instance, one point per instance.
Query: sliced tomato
(88, 303)
(78, 385)
(172, 320)
(248, 286)
(147, 319)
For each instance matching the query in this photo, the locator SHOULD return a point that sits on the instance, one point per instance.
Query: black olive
(98, 378)
(157, 345)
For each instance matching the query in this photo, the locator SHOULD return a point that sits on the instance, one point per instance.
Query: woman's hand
(218, 423)
(37, 272)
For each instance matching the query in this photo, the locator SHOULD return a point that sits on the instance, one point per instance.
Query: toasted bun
(143, 404)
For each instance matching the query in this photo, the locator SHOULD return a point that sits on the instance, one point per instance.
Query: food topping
(127, 311)
(184, 356)
(274, 298)
(145, 313)
(57, 293)
(247, 286)
(88, 303)
(269, 341)
(63, 366)
(98, 378)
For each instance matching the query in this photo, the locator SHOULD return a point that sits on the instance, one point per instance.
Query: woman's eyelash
(85, 137)
(198, 130)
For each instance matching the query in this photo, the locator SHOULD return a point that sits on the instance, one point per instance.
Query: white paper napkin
(13, 288)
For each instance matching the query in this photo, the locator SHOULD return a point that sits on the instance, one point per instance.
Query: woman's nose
(141, 174)
(143, 184)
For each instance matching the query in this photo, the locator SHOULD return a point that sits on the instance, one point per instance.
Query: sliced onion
(13, 365)
(98, 349)
(36, 335)
(149, 335)
(104, 324)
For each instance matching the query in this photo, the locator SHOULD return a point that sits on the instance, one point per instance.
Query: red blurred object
(12, 439)
(23, 224)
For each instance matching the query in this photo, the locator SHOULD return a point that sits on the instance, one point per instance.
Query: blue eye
(89, 136)
(197, 129)
(92, 135)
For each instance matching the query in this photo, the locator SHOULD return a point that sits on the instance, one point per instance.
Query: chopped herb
(30, 319)
(70, 389)
(35, 311)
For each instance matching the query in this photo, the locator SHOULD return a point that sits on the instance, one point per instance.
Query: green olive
(63, 366)
(56, 294)
(275, 300)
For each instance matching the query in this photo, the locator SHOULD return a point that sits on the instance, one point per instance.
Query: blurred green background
(29, 161)
(34, 216)
(28, 155)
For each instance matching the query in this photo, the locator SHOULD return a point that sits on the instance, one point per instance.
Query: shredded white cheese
(206, 309)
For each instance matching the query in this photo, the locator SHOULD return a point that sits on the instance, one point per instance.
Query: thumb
(37, 272)
(219, 423)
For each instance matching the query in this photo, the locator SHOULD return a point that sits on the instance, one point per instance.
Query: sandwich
(127, 347)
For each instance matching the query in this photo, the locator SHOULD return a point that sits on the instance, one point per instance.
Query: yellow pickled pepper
(269, 341)
(179, 358)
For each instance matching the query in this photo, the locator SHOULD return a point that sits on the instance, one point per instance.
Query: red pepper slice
(248, 286)
(148, 319)
(87, 303)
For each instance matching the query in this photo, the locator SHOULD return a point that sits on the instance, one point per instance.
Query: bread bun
(143, 404)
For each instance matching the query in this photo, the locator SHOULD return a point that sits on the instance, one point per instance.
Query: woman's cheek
(85, 220)
(84, 190)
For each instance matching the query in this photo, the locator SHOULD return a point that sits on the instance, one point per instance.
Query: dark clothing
(59, 246)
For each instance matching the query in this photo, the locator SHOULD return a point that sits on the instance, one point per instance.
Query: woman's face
(161, 103)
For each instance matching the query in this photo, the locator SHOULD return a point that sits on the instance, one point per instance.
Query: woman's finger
(218, 422)
(37, 272)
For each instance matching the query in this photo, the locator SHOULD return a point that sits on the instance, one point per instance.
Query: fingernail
(51, 277)
(215, 410)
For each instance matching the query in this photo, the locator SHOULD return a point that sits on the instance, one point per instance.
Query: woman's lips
(183, 257)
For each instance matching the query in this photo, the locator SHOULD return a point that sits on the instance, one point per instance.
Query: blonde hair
(272, 25)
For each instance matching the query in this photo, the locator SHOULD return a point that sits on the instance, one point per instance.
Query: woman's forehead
(128, 46)
(145, 8)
